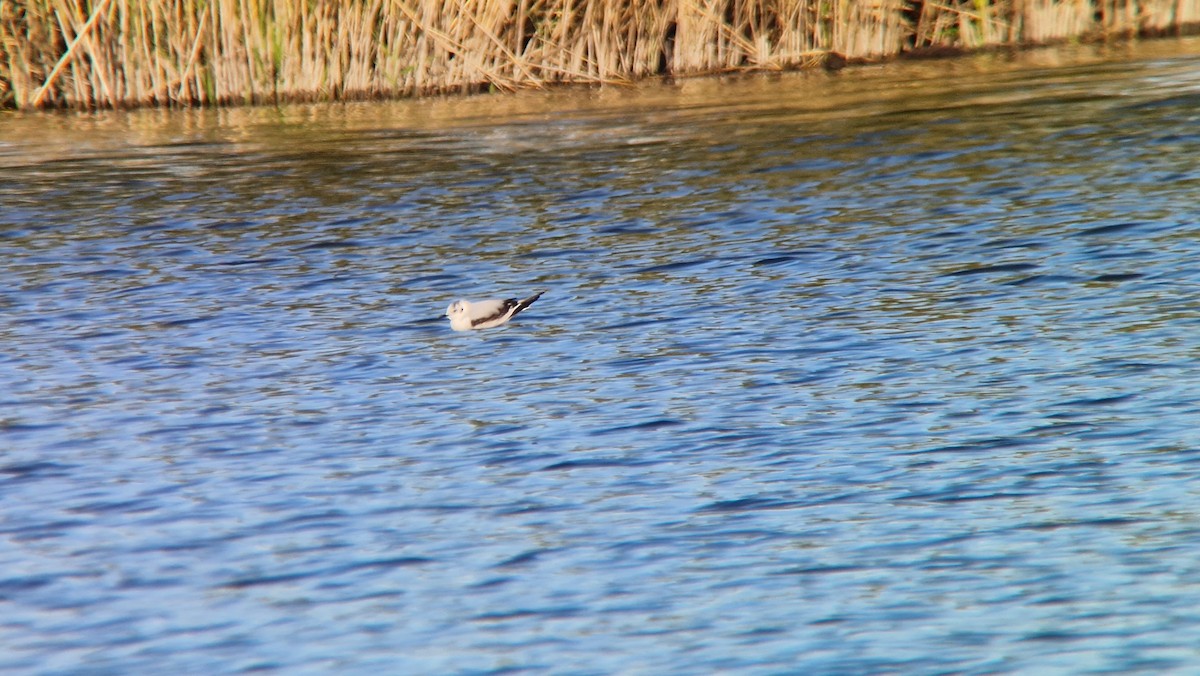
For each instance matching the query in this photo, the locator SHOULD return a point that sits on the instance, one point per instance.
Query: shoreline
(100, 54)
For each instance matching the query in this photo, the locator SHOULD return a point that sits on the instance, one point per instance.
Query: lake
(888, 370)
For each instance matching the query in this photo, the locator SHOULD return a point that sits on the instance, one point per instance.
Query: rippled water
(890, 370)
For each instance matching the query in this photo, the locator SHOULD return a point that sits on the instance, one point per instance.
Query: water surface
(886, 370)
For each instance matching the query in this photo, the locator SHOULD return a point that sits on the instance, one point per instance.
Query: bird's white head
(459, 313)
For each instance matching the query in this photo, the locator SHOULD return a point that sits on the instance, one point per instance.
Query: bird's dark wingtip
(528, 301)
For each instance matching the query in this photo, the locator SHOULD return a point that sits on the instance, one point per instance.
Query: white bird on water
(484, 314)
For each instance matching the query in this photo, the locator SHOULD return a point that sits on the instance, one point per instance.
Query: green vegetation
(113, 53)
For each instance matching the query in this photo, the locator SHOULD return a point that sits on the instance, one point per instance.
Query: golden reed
(116, 53)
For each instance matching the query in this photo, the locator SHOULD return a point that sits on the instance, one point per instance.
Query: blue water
(890, 370)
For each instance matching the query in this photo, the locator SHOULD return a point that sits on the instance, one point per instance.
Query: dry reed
(112, 53)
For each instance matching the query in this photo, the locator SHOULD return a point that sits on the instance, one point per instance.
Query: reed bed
(117, 53)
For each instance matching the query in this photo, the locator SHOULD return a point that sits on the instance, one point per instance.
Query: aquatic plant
(112, 53)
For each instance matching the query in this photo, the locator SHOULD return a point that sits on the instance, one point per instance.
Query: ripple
(991, 269)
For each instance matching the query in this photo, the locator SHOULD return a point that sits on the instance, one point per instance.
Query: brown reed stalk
(66, 59)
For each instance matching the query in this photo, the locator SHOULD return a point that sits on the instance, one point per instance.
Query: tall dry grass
(101, 53)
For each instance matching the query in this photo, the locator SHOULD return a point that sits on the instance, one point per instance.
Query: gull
(484, 314)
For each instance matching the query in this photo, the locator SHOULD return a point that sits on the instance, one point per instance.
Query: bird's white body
(467, 315)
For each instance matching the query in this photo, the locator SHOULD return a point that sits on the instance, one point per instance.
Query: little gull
(484, 314)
